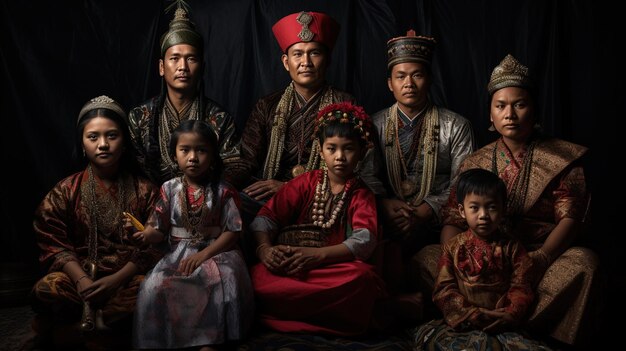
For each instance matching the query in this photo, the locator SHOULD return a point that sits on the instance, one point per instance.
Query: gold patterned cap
(102, 101)
(509, 73)
(410, 48)
(182, 31)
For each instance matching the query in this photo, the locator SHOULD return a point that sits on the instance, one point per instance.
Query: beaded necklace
(427, 149)
(283, 110)
(322, 195)
(193, 214)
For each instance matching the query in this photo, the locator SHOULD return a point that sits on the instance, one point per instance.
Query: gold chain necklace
(193, 217)
(428, 146)
(105, 213)
(277, 139)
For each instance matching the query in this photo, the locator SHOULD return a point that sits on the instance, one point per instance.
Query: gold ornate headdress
(101, 101)
(509, 73)
(182, 30)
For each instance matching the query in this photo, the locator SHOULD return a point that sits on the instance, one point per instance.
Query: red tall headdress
(306, 27)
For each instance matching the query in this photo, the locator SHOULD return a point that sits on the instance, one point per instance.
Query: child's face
(483, 213)
(103, 142)
(193, 155)
(341, 156)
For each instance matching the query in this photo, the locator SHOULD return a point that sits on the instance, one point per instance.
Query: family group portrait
(309, 175)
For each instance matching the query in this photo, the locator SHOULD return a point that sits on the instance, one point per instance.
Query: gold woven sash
(308, 235)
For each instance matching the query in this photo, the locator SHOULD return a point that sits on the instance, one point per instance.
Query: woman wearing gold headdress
(94, 268)
(546, 206)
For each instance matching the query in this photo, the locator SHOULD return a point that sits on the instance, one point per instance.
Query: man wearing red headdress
(277, 143)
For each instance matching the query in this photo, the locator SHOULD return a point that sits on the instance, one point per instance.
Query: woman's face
(103, 142)
(512, 113)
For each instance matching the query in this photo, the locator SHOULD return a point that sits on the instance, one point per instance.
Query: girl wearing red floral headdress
(316, 235)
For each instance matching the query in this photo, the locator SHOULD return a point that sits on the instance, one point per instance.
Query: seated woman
(316, 234)
(94, 269)
(546, 204)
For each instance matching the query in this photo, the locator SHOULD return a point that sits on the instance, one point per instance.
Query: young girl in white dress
(199, 294)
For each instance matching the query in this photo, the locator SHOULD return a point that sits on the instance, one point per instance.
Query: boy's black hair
(480, 182)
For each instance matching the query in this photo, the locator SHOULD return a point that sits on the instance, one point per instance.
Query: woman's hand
(101, 289)
(502, 320)
(82, 284)
(540, 263)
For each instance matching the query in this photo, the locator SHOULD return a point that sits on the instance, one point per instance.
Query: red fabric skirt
(336, 299)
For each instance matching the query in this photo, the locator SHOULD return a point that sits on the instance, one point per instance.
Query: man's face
(306, 64)
(409, 82)
(181, 68)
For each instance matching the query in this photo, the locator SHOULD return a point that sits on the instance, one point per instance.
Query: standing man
(422, 146)
(277, 143)
(151, 123)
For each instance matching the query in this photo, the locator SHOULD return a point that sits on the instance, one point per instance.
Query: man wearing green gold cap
(422, 146)
(182, 98)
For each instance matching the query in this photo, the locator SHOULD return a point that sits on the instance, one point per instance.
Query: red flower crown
(346, 112)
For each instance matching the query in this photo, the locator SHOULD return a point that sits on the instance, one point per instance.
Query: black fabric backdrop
(55, 55)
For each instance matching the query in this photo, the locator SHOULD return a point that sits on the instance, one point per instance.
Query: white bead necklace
(322, 195)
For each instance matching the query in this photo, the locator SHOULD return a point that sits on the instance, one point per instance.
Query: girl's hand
(273, 257)
(148, 236)
(302, 259)
(138, 237)
(189, 264)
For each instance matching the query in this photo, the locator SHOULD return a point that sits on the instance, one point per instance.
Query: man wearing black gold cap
(182, 98)
(277, 143)
(422, 146)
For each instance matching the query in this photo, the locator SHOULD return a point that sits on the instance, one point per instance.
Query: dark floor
(15, 328)
(16, 335)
